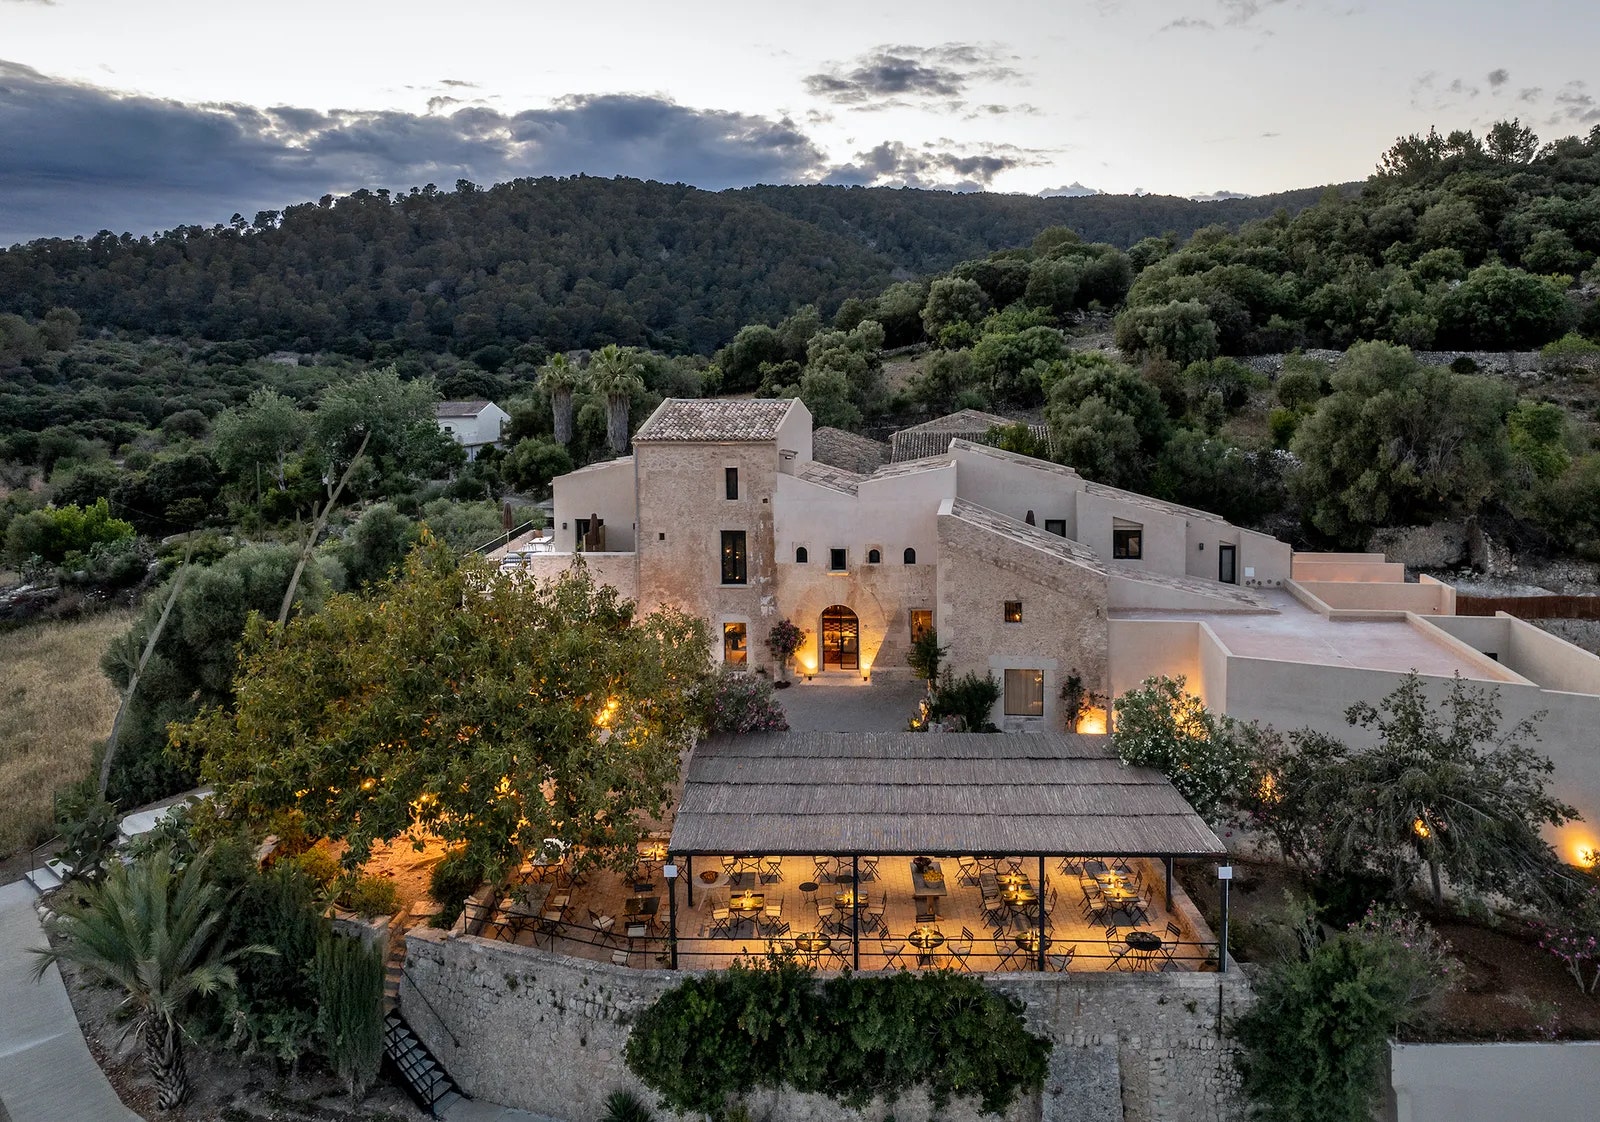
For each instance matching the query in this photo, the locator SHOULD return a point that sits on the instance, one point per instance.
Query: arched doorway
(841, 639)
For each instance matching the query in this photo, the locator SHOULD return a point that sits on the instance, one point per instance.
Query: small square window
(735, 648)
(1024, 696)
(1056, 526)
(1013, 611)
(730, 479)
(1127, 543)
(921, 623)
(836, 561)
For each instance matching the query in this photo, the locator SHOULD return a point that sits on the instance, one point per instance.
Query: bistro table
(1029, 941)
(927, 885)
(747, 906)
(1144, 945)
(925, 939)
(811, 944)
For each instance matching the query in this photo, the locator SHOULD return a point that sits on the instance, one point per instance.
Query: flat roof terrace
(1294, 633)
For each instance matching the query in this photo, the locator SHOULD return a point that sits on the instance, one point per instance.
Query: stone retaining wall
(1520, 364)
(545, 1032)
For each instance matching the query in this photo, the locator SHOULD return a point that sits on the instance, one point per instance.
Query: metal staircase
(419, 1071)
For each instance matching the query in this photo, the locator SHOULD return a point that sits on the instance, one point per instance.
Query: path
(46, 1071)
(817, 706)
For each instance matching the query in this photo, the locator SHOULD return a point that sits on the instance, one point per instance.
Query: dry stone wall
(545, 1032)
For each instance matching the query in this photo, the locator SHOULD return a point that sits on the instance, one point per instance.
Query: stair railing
(404, 973)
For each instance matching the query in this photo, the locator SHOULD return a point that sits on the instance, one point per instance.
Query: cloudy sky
(143, 114)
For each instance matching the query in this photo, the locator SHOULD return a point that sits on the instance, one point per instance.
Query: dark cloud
(1073, 190)
(894, 163)
(76, 158)
(1022, 109)
(1499, 77)
(1190, 23)
(1532, 93)
(458, 83)
(890, 76)
(1218, 196)
(1575, 104)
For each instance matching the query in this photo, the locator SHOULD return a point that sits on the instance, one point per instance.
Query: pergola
(841, 795)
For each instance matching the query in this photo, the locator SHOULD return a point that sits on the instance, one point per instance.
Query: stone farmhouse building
(475, 425)
(724, 511)
(731, 510)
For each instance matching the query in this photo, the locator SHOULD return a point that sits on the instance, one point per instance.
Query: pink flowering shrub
(1575, 942)
(741, 703)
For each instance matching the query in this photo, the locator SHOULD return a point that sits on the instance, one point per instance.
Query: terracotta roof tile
(715, 420)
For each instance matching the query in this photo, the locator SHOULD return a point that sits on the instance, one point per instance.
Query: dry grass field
(55, 707)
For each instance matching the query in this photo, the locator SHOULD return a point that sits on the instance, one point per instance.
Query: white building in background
(475, 425)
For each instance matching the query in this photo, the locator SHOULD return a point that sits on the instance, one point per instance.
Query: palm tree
(158, 934)
(560, 377)
(615, 373)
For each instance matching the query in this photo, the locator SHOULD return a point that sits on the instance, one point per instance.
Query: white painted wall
(1494, 1082)
(606, 489)
(472, 433)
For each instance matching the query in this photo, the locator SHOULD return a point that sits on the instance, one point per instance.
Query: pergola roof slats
(910, 793)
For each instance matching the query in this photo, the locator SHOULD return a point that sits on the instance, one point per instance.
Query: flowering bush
(1575, 941)
(741, 703)
(1161, 726)
(784, 639)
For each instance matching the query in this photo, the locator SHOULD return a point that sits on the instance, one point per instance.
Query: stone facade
(1063, 627)
(546, 1033)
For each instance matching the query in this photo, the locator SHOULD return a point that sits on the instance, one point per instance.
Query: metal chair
(721, 923)
(869, 868)
(891, 948)
(619, 958)
(1062, 961)
(969, 871)
(1007, 950)
(1117, 947)
(772, 870)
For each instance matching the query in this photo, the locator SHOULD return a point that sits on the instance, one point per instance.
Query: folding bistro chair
(772, 870)
(869, 868)
(873, 916)
(891, 948)
(1118, 948)
(721, 922)
(1062, 961)
(969, 871)
(772, 916)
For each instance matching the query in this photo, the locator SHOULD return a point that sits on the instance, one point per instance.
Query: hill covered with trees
(570, 263)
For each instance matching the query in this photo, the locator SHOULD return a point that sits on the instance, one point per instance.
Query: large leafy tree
(192, 663)
(396, 420)
(1396, 443)
(158, 934)
(261, 433)
(1450, 790)
(489, 710)
(615, 374)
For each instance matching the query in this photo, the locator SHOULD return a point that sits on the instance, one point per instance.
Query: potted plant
(783, 640)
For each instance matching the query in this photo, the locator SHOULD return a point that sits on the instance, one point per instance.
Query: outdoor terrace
(1088, 918)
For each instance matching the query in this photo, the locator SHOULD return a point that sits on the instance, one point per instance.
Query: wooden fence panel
(1530, 607)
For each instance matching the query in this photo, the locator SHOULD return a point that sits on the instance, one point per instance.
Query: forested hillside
(570, 263)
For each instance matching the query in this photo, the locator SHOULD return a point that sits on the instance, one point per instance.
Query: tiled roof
(961, 445)
(1011, 529)
(963, 420)
(458, 408)
(1133, 498)
(824, 475)
(846, 450)
(911, 467)
(715, 420)
(933, 438)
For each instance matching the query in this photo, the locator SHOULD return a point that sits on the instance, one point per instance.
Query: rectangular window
(836, 560)
(733, 557)
(1127, 543)
(735, 650)
(1024, 693)
(1056, 526)
(1013, 612)
(730, 480)
(921, 623)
